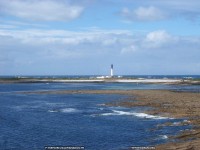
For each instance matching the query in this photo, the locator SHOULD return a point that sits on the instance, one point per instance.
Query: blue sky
(83, 37)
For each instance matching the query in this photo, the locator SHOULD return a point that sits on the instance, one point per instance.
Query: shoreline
(165, 103)
(108, 80)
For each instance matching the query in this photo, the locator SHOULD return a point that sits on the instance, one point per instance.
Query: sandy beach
(164, 103)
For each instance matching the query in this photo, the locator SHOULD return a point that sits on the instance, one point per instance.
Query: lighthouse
(111, 70)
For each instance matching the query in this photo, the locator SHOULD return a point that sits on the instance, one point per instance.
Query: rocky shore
(172, 104)
(165, 103)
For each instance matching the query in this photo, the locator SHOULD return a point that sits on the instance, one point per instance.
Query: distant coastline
(101, 79)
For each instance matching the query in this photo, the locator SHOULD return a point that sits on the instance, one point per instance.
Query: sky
(84, 37)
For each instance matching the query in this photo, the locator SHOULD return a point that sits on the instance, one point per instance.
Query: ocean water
(32, 121)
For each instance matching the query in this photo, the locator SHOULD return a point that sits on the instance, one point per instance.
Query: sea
(37, 121)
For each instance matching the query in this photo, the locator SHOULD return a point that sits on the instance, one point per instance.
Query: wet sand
(165, 103)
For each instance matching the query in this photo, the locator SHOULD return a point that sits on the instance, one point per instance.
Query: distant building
(111, 74)
(111, 70)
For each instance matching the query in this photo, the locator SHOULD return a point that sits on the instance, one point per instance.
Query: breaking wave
(140, 115)
(164, 137)
(64, 110)
(69, 110)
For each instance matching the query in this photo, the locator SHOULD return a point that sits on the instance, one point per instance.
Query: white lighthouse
(111, 70)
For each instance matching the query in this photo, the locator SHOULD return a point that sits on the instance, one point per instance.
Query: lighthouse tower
(111, 70)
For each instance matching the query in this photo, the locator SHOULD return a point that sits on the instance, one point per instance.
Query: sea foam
(64, 110)
(140, 115)
(163, 137)
(69, 110)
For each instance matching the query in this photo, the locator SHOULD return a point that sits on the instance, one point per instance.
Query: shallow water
(92, 86)
(32, 121)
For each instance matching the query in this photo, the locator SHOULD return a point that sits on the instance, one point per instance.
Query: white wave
(143, 115)
(184, 122)
(64, 110)
(68, 110)
(140, 115)
(52, 111)
(164, 137)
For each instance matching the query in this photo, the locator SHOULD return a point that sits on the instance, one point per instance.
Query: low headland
(97, 80)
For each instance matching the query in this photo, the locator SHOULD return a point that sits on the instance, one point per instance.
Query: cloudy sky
(83, 37)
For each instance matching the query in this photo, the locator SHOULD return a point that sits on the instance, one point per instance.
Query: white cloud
(129, 49)
(105, 37)
(58, 47)
(158, 39)
(16, 24)
(143, 14)
(160, 35)
(62, 44)
(155, 10)
(42, 10)
(83, 43)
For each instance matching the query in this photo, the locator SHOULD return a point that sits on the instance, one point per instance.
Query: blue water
(93, 86)
(32, 121)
